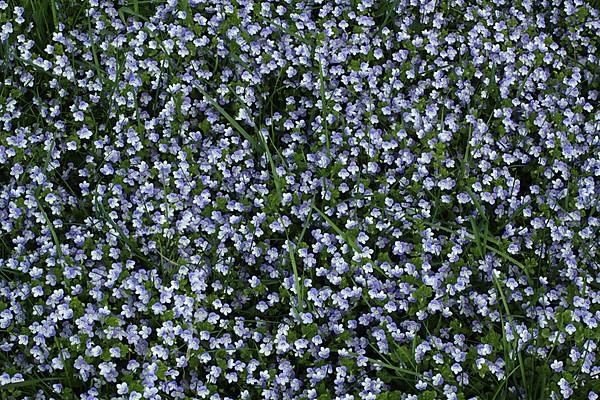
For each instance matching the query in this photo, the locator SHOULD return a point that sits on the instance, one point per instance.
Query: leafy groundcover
(319, 199)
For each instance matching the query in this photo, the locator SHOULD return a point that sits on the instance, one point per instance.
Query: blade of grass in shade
(510, 259)
(68, 368)
(390, 366)
(478, 205)
(276, 177)
(324, 110)
(478, 240)
(299, 290)
(348, 240)
(472, 236)
(292, 251)
(229, 118)
(504, 384)
(400, 371)
(41, 17)
(29, 382)
(307, 221)
(275, 89)
(54, 12)
(265, 146)
(387, 13)
(93, 48)
(482, 245)
(239, 60)
(158, 251)
(489, 238)
(465, 160)
(518, 211)
(188, 13)
(120, 233)
(3, 269)
(283, 162)
(542, 387)
(126, 10)
(351, 243)
(300, 38)
(51, 228)
(267, 151)
(511, 322)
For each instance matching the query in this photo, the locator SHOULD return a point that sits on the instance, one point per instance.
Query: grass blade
(229, 118)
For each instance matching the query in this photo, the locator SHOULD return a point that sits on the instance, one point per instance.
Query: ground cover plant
(325, 199)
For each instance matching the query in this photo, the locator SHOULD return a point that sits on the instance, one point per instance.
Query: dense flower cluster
(319, 199)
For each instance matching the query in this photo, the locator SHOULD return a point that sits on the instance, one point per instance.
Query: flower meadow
(318, 199)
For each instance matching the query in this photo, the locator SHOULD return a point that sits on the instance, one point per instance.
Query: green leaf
(161, 371)
(113, 321)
